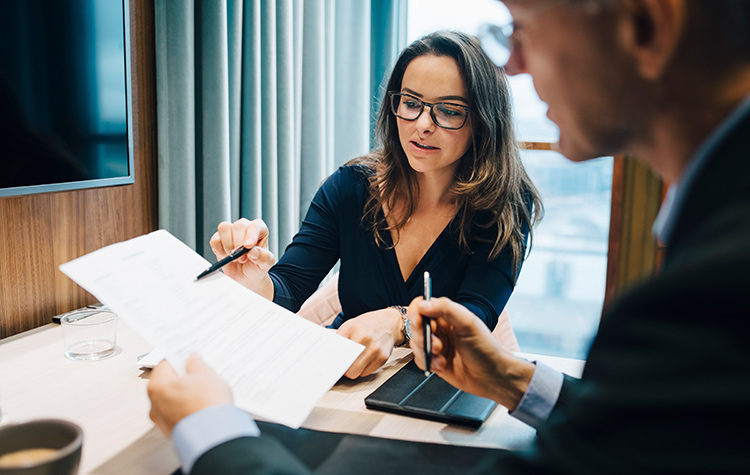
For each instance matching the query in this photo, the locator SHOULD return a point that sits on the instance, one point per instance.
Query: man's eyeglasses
(444, 114)
(498, 40)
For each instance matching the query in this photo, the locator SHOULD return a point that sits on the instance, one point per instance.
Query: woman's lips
(423, 146)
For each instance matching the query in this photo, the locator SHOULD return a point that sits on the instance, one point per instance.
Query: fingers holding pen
(449, 323)
(243, 232)
(261, 257)
(246, 233)
(249, 233)
(420, 309)
(251, 268)
(416, 321)
(458, 318)
(215, 242)
(222, 242)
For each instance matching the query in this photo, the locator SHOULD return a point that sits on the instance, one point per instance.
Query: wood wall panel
(40, 232)
(636, 197)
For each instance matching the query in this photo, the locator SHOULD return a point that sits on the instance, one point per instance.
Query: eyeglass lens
(496, 42)
(448, 116)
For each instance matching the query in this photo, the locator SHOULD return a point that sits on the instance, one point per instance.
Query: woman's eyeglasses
(444, 114)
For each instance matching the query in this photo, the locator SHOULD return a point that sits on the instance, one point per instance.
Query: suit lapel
(725, 178)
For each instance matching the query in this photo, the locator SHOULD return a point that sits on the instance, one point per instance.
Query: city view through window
(557, 302)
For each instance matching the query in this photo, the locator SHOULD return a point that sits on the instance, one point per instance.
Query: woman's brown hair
(490, 179)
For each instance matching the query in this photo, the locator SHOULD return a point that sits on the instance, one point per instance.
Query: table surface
(108, 400)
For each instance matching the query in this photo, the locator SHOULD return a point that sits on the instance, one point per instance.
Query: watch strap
(405, 329)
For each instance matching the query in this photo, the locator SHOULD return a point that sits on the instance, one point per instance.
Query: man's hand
(174, 397)
(465, 354)
(379, 331)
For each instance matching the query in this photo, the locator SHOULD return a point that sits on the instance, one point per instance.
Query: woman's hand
(250, 270)
(379, 331)
(465, 354)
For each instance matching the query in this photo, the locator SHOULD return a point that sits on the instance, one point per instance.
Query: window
(557, 302)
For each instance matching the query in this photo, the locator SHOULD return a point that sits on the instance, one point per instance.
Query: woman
(446, 193)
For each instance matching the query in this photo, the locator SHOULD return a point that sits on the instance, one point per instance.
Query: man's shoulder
(719, 242)
(703, 281)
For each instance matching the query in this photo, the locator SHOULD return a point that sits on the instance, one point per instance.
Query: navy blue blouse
(370, 277)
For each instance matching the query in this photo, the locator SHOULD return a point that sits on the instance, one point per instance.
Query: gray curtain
(259, 100)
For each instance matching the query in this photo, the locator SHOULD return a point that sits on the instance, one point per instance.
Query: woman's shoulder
(484, 225)
(348, 182)
(351, 173)
(358, 170)
(363, 166)
(523, 205)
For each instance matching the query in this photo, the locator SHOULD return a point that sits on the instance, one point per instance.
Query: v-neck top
(370, 277)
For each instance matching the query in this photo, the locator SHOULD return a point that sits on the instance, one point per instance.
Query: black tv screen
(65, 113)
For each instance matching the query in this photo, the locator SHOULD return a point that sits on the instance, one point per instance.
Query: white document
(277, 363)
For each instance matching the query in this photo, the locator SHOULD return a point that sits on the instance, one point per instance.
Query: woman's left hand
(379, 331)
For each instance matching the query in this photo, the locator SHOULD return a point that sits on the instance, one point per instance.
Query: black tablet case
(411, 393)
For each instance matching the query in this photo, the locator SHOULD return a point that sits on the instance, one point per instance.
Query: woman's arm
(315, 248)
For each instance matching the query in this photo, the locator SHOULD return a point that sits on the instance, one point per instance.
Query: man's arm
(465, 354)
(257, 455)
(211, 435)
(201, 431)
(543, 394)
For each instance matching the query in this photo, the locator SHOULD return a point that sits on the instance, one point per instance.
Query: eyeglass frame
(393, 94)
(488, 34)
(505, 37)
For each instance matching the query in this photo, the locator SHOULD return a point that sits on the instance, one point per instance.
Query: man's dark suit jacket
(666, 388)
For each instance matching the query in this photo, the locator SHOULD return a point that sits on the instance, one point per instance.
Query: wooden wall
(40, 232)
(633, 252)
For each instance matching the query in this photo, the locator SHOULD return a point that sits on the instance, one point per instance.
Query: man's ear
(651, 31)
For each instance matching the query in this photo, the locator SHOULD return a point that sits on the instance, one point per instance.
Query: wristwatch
(407, 328)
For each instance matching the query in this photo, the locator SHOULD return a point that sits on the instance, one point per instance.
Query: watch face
(407, 328)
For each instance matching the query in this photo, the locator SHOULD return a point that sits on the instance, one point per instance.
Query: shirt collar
(677, 192)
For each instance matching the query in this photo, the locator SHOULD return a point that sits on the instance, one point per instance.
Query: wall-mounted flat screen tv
(65, 107)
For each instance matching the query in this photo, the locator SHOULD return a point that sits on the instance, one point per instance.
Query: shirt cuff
(201, 431)
(540, 397)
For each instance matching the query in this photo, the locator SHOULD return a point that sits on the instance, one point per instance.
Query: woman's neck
(434, 190)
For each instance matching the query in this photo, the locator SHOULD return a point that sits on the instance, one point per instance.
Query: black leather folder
(411, 393)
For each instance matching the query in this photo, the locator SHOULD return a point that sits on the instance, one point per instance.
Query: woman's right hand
(251, 269)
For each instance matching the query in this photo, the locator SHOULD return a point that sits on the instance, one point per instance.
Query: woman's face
(429, 148)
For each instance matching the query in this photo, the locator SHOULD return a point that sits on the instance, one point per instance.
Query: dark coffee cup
(41, 447)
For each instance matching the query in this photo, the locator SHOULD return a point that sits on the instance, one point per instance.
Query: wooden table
(108, 400)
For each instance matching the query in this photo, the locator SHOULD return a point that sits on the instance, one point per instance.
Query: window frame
(633, 253)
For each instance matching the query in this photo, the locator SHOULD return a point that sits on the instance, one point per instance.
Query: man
(667, 378)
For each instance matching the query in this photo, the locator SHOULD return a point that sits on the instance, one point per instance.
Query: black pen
(236, 254)
(426, 328)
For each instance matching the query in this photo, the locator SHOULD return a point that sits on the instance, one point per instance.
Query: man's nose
(515, 64)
